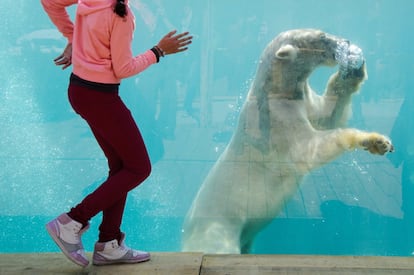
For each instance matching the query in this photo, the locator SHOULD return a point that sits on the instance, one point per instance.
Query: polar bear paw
(377, 144)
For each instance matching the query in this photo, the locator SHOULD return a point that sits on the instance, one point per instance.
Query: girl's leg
(119, 136)
(110, 227)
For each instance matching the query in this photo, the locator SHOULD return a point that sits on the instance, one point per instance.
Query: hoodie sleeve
(123, 61)
(56, 10)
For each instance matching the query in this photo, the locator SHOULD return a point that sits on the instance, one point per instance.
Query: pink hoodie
(101, 40)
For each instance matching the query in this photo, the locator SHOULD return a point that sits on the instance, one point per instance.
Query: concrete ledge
(198, 263)
(309, 265)
(57, 263)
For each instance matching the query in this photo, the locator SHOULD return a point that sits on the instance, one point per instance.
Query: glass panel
(246, 154)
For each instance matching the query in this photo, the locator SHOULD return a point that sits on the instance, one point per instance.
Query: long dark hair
(120, 8)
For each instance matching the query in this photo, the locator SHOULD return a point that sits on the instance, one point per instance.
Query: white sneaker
(66, 233)
(112, 253)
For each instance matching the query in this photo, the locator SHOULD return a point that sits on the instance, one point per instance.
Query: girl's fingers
(182, 35)
(59, 57)
(171, 33)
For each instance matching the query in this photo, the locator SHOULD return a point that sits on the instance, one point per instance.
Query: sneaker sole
(120, 261)
(56, 239)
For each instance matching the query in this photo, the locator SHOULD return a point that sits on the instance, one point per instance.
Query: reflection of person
(101, 41)
(182, 77)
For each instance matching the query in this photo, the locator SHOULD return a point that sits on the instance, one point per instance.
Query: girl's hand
(174, 43)
(65, 59)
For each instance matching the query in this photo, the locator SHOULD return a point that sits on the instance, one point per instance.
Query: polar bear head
(312, 47)
(290, 58)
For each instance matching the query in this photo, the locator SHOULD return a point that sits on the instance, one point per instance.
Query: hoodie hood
(86, 7)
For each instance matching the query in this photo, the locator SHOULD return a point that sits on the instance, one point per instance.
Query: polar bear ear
(287, 52)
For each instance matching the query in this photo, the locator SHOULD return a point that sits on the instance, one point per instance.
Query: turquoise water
(187, 107)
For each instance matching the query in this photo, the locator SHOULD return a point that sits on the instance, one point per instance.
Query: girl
(99, 47)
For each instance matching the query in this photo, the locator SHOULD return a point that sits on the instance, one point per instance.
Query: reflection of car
(44, 41)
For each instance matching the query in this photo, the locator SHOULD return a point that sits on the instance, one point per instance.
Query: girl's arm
(56, 10)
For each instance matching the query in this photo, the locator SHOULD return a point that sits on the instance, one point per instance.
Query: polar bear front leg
(344, 85)
(330, 144)
(373, 142)
(352, 70)
(339, 91)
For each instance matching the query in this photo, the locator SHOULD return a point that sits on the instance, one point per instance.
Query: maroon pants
(118, 135)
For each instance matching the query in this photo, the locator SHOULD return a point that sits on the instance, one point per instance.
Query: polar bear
(284, 131)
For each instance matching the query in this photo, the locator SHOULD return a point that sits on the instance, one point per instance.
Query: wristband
(157, 54)
(162, 53)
